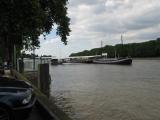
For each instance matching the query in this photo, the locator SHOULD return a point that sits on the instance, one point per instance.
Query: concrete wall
(45, 103)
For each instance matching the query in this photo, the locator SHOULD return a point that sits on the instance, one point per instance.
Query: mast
(34, 61)
(122, 44)
(115, 53)
(121, 39)
(101, 47)
(101, 43)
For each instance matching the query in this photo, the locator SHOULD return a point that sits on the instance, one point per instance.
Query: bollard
(44, 79)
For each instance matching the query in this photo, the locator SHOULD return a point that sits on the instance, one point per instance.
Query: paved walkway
(7, 73)
(35, 115)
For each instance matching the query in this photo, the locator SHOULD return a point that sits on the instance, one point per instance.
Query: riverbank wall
(45, 105)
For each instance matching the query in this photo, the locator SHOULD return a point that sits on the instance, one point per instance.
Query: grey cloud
(107, 28)
(93, 20)
(145, 20)
(99, 8)
(146, 36)
(121, 18)
(75, 3)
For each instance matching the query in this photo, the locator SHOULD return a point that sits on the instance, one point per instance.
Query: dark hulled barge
(117, 61)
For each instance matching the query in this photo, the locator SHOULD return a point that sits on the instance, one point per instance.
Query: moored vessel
(118, 61)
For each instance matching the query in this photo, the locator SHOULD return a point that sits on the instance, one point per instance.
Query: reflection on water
(64, 102)
(108, 92)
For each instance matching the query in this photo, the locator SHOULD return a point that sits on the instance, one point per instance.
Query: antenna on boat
(122, 43)
(115, 53)
(101, 43)
(101, 47)
(122, 39)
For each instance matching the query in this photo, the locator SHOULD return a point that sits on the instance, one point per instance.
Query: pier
(76, 59)
(44, 108)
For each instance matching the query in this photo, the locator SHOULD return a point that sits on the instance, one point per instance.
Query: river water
(108, 92)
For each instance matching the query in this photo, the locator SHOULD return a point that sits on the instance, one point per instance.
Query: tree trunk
(8, 51)
(6, 57)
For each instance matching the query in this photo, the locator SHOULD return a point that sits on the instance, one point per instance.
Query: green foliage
(23, 21)
(28, 55)
(145, 49)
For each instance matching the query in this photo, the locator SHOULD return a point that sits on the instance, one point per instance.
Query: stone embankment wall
(43, 101)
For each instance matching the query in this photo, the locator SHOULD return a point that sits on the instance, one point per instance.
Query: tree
(144, 49)
(23, 21)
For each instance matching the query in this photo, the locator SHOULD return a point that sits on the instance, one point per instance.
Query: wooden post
(34, 62)
(21, 66)
(15, 62)
(44, 79)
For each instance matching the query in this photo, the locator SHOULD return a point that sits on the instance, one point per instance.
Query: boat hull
(124, 61)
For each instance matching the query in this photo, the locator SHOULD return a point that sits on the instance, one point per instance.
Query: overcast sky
(96, 20)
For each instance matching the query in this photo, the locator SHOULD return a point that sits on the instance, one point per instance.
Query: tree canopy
(144, 49)
(23, 21)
